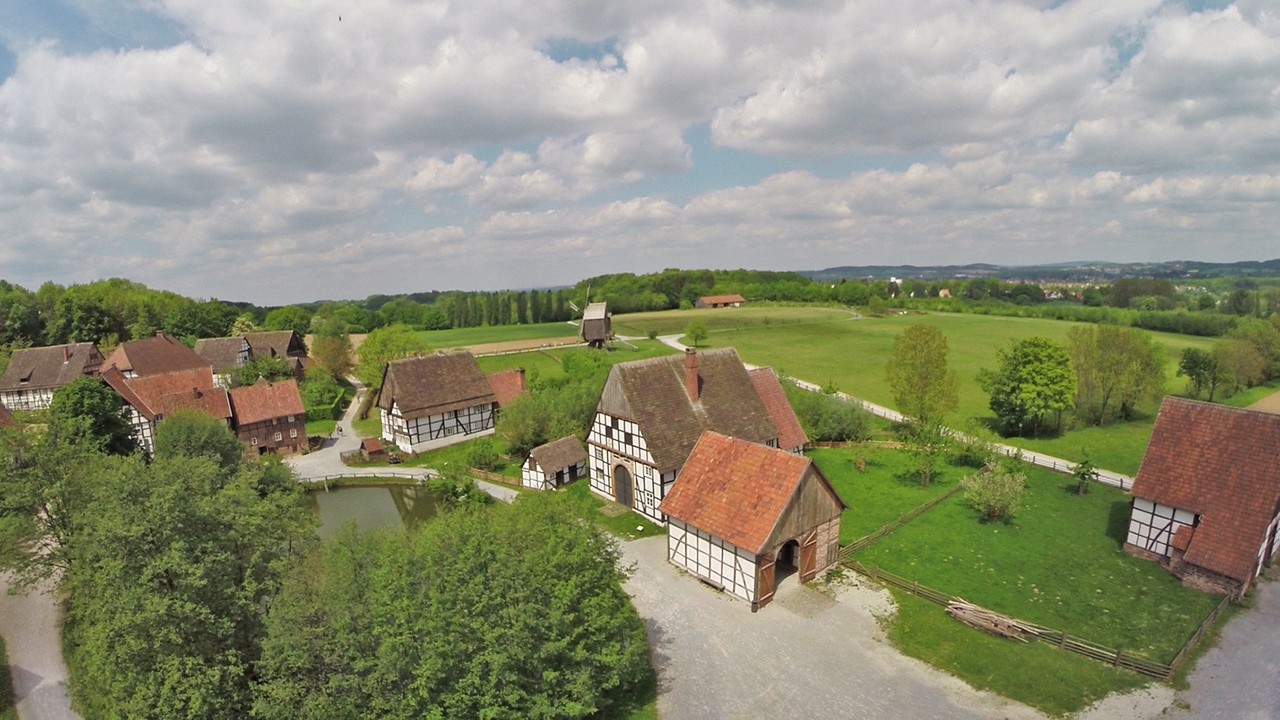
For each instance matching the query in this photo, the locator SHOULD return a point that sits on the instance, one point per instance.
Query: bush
(995, 491)
(483, 455)
(826, 418)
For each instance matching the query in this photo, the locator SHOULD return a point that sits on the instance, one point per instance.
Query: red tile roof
(790, 434)
(152, 388)
(371, 445)
(1222, 464)
(118, 382)
(149, 356)
(738, 490)
(722, 299)
(262, 401)
(507, 385)
(214, 402)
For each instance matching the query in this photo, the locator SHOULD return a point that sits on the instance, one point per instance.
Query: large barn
(743, 516)
(148, 399)
(153, 356)
(651, 414)
(435, 400)
(1206, 500)
(35, 374)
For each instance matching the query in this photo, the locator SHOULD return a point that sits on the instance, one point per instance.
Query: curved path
(31, 627)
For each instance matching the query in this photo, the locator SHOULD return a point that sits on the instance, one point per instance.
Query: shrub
(483, 455)
(995, 491)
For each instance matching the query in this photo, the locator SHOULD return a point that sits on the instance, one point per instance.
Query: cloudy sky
(304, 149)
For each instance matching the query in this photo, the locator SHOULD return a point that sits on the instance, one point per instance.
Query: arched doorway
(622, 488)
(787, 562)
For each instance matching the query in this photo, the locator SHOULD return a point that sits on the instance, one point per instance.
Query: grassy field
(485, 334)
(672, 322)
(881, 492)
(626, 524)
(1058, 563)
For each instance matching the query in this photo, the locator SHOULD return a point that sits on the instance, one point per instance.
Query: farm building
(152, 356)
(34, 374)
(597, 325)
(1206, 500)
(720, 301)
(148, 399)
(791, 436)
(6, 417)
(269, 417)
(743, 516)
(227, 354)
(554, 464)
(435, 400)
(507, 386)
(651, 414)
(371, 449)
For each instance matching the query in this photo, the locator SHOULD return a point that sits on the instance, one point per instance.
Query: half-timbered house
(1206, 499)
(791, 437)
(227, 354)
(597, 325)
(435, 400)
(554, 464)
(742, 516)
(148, 399)
(152, 356)
(269, 417)
(651, 414)
(224, 355)
(34, 374)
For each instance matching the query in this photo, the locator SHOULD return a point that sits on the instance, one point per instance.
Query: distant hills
(1083, 271)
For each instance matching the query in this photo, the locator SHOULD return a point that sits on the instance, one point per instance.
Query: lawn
(550, 362)
(1037, 674)
(1058, 563)
(853, 355)
(485, 334)
(672, 322)
(626, 524)
(321, 427)
(880, 492)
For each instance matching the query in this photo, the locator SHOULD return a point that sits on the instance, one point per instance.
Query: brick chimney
(691, 374)
(66, 354)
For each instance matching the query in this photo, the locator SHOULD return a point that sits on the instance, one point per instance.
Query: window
(278, 438)
(293, 433)
(627, 436)
(253, 440)
(275, 421)
(608, 431)
(290, 418)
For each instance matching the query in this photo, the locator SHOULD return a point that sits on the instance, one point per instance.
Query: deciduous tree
(1115, 369)
(383, 345)
(90, 413)
(696, 332)
(290, 317)
(923, 385)
(1033, 381)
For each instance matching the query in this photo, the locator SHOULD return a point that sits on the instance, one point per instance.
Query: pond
(373, 506)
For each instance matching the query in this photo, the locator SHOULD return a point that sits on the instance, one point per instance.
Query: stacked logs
(984, 619)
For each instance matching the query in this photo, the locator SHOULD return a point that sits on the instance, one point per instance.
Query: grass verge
(882, 491)
(671, 322)
(626, 524)
(486, 334)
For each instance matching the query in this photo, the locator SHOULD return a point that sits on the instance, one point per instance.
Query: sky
(299, 150)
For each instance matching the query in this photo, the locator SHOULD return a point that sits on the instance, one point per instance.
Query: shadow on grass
(1118, 521)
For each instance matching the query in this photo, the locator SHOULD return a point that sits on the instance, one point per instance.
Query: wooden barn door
(809, 557)
(764, 591)
(622, 488)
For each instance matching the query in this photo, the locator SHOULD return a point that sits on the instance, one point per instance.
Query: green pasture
(485, 334)
(882, 491)
(672, 322)
(550, 362)
(1058, 563)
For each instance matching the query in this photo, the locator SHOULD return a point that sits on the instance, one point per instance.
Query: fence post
(1117, 660)
(1062, 641)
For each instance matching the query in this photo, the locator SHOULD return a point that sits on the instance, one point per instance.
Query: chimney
(66, 354)
(691, 374)
(522, 385)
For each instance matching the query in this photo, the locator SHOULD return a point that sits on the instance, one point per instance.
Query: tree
(1085, 472)
(271, 368)
(88, 412)
(1239, 364)
(1034, 379)
(1200, 368)
(383, 345)
(826, 417)
(696, 332)
(290, 317)
(1265, 338)
(434, 623)
(1115, 369)
(923, 386)
(243, 325)
(80, 319)
(875, 306)
(332, 354)
(190, 433)
(995, 491)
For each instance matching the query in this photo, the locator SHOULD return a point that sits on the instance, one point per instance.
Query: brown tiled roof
(722, 299)
(152, 388)
(118, 382)
(150, 356)
(652, 393)
(1222, 464)
(371, 445)
(433, 384)
(559, 454)
(50, 367)
(221, 353)
(739, 491)
(214, 402)
(263, 401)
(790, 434)
(275, 343)
(507, 385)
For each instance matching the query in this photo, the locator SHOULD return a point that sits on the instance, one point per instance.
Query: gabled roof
(596, 325)
(118, 382)
(50, 367)
(264, 401)
(371, 445)
(790, 434)
(214, 402)
(150, 356)
(275, 343)
(722, 299)
(507, 385)
(652, 393)
(559, 454)
(433, 384)
(1223, 464)
(153, 388)
(223, 354)
(739, 491)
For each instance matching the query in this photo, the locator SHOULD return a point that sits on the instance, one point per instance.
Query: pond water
(372, 507)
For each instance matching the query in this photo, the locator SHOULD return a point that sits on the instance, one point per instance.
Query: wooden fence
(1199, 634)
(866, 540)
(494, 477)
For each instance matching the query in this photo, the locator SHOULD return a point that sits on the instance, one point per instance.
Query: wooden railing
(494, 477)
(866, 540)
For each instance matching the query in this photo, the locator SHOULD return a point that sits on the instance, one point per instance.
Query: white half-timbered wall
(1272, 537)
(719, 563)
(532, 476)
(433, 431)
(614, 441)
(144, 430)
(1152, 525)
(28, 399)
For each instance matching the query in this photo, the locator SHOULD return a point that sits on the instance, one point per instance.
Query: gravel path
(30, 625)
(806, 655)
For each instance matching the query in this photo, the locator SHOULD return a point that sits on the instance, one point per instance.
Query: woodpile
(984, 619)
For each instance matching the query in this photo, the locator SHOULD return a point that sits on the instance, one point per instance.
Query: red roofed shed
(743, 515)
